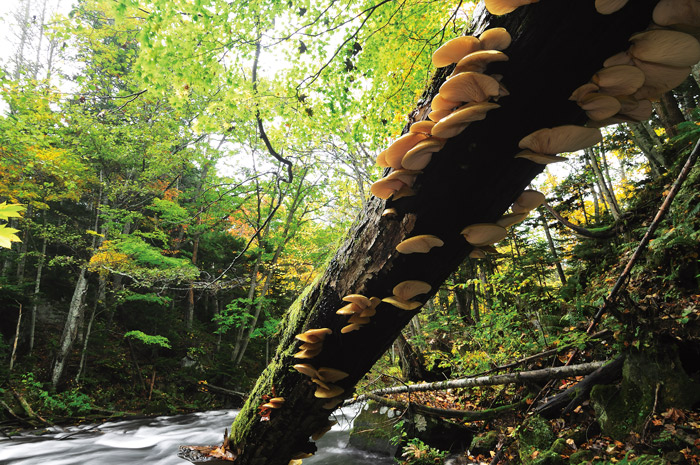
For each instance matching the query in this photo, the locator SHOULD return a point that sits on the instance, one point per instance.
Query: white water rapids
(155, 441)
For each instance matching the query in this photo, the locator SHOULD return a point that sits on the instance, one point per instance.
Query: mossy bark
(557, 46)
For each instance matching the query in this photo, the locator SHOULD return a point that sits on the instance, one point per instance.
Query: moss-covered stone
(534, 434)
(581, 456)
(624, 409)
(484, 443)
(548, 457)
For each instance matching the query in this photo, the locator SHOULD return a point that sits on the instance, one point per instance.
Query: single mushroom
(621, 58)
(441, 103)
(541, 158)
(349, 328)
(307, 353)
(477, 253)
(360, 320)
(527, 201)
(641, 113)
(599, 106)
(306, 369)
(496, 38)
(561, 139)
(437, 115)
(314, 335)
(331, 375)
(509, 219)
(583, 90)
(358, 299)
(670, 48)
(502, 7)
(275, 402)
(419, 156)
(453, 50)
(405, 191)
(607, 7)
(480, 234)
(419, 244)
(311, 346)
(659, 79)
(407, 290)
(327, 393)
(422, 127)
(478, 61)
(389, 212)
(393, 155)
(385, 188)
(402, 304)
(408, 177)
(367, 312)
(459, 119)
(350, 309)
(677, 12)
(469, 87)
(619, 79)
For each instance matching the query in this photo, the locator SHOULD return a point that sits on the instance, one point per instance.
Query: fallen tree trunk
(465, 415)
(544, 374)
(566, 401)
(557, 46)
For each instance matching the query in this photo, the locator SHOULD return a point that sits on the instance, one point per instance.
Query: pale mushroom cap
(583, 90)
(671, 48)
(659, 78)
(320, 383)
(627, 103)
(385, 188)
(358, 299)
(375, 302)
(294, 462)
(541, 158)
(622, 58)
(469, 87)
(360, 320)
(606, 7)
(306, 369)
(419, 244)
(642, 112)
(479, 234)
(422, 127)
(314, 335)
(453, 50)
(390, 212)
(381, 160)
(440, 103)
(455, 123)
(478, 61)
(528, 200)
(419, 156)
(331, 375)
(350, 309)
(311, 346)
(402, 304)
(670, 12)
(496, 38)
(396, 151)
(407, 290)
(407, 177)
(502, 7)
(307, 353)
(561, 139)
(599, 106)
(367, 312)
(405, 191)
(508, 220)
(437, 115)
(619, 79)
(477, 253)
(349, 328)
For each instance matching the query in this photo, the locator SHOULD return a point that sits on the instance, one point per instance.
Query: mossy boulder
(624, 409)
(548, 457)
(581, 456)
(535, 434)
(484, 443)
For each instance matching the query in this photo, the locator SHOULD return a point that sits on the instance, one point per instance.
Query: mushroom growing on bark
(453, 50)
(496, 38)
(479, 234)
(419, 244)
(501, 7)
(561, 139)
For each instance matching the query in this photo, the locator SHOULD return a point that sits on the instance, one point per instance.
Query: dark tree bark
(557, 46)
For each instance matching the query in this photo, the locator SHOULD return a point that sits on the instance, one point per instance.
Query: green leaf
(10, 211)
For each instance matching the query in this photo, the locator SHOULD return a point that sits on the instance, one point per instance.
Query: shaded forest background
(186, 169)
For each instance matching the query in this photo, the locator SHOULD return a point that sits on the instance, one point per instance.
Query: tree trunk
(461, 186)
(70, 329)
(411, 361)
(35, 295)
(638, 133)
(602, 185)
(553, 249)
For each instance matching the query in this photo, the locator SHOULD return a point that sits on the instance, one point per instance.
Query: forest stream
(155, 441)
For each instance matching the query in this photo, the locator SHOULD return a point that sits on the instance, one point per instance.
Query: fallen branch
(523, 376)
(220, 390)
(663, 210)
(465, 415)
(607, 233)
(566, 401)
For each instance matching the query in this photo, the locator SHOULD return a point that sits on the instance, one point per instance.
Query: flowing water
(155, 441)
